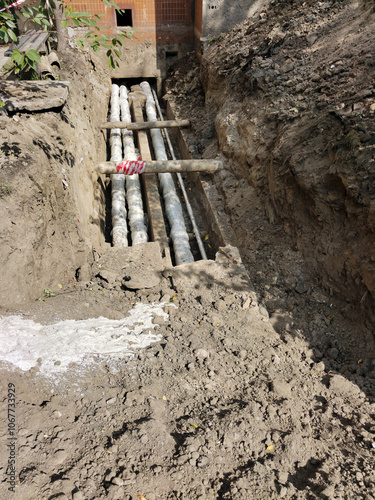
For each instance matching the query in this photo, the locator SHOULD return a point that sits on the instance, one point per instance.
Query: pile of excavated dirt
(218, 379)
(291, 96)
(292, 234)
(51, 204)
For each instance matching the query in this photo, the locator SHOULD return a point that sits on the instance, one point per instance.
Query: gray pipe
(119, 224)
(182, 186)
(173, 207)
(133, 189)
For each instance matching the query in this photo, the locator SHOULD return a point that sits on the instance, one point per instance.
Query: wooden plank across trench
(151, 190)
(138, 125)
(168, 166)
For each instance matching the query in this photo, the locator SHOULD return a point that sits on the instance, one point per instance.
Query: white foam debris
(25, 343)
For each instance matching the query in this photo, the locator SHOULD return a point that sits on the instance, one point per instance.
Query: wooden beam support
(171, 166)
(146, 125)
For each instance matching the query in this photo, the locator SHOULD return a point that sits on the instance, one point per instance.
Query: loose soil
(260, 382)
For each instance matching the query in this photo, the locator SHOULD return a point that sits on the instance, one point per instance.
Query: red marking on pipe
(131, 167)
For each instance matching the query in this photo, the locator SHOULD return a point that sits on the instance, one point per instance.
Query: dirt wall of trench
(49, 185)
(292, 98)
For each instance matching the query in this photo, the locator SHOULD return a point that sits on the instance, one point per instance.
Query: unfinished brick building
(162, 29)
(165, 29)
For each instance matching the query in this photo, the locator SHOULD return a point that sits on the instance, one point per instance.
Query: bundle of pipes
(119, 102)
(173, 207)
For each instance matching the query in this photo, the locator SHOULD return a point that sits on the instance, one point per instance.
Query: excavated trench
(228, 210)
(142, 208)
(136, 376)
(70, 226)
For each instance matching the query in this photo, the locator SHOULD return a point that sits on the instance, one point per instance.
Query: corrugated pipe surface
(119, 224)
(133, 189)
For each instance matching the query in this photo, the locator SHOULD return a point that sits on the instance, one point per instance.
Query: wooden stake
(146, 125)
(171, 166)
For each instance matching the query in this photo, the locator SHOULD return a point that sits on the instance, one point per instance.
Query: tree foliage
(53, 15)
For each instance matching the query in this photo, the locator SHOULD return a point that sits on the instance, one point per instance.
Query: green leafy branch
(95, 38)
(43, 15)
(25, 60)
(7, 27)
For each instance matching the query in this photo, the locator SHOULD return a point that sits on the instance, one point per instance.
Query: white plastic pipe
(173, 207)
(133, 188)
(119, 224)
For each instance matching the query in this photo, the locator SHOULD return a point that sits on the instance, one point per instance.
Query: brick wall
(158, 21)
(173, 12)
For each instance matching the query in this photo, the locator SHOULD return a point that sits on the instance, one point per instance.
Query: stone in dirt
(134, 268)
(34, 95)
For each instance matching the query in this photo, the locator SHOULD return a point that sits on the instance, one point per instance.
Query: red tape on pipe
(13, 5)
(130, 167)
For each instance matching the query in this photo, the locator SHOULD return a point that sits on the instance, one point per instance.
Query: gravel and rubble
(222, 407)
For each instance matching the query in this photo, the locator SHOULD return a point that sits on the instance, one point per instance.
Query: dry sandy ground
(221, 406)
